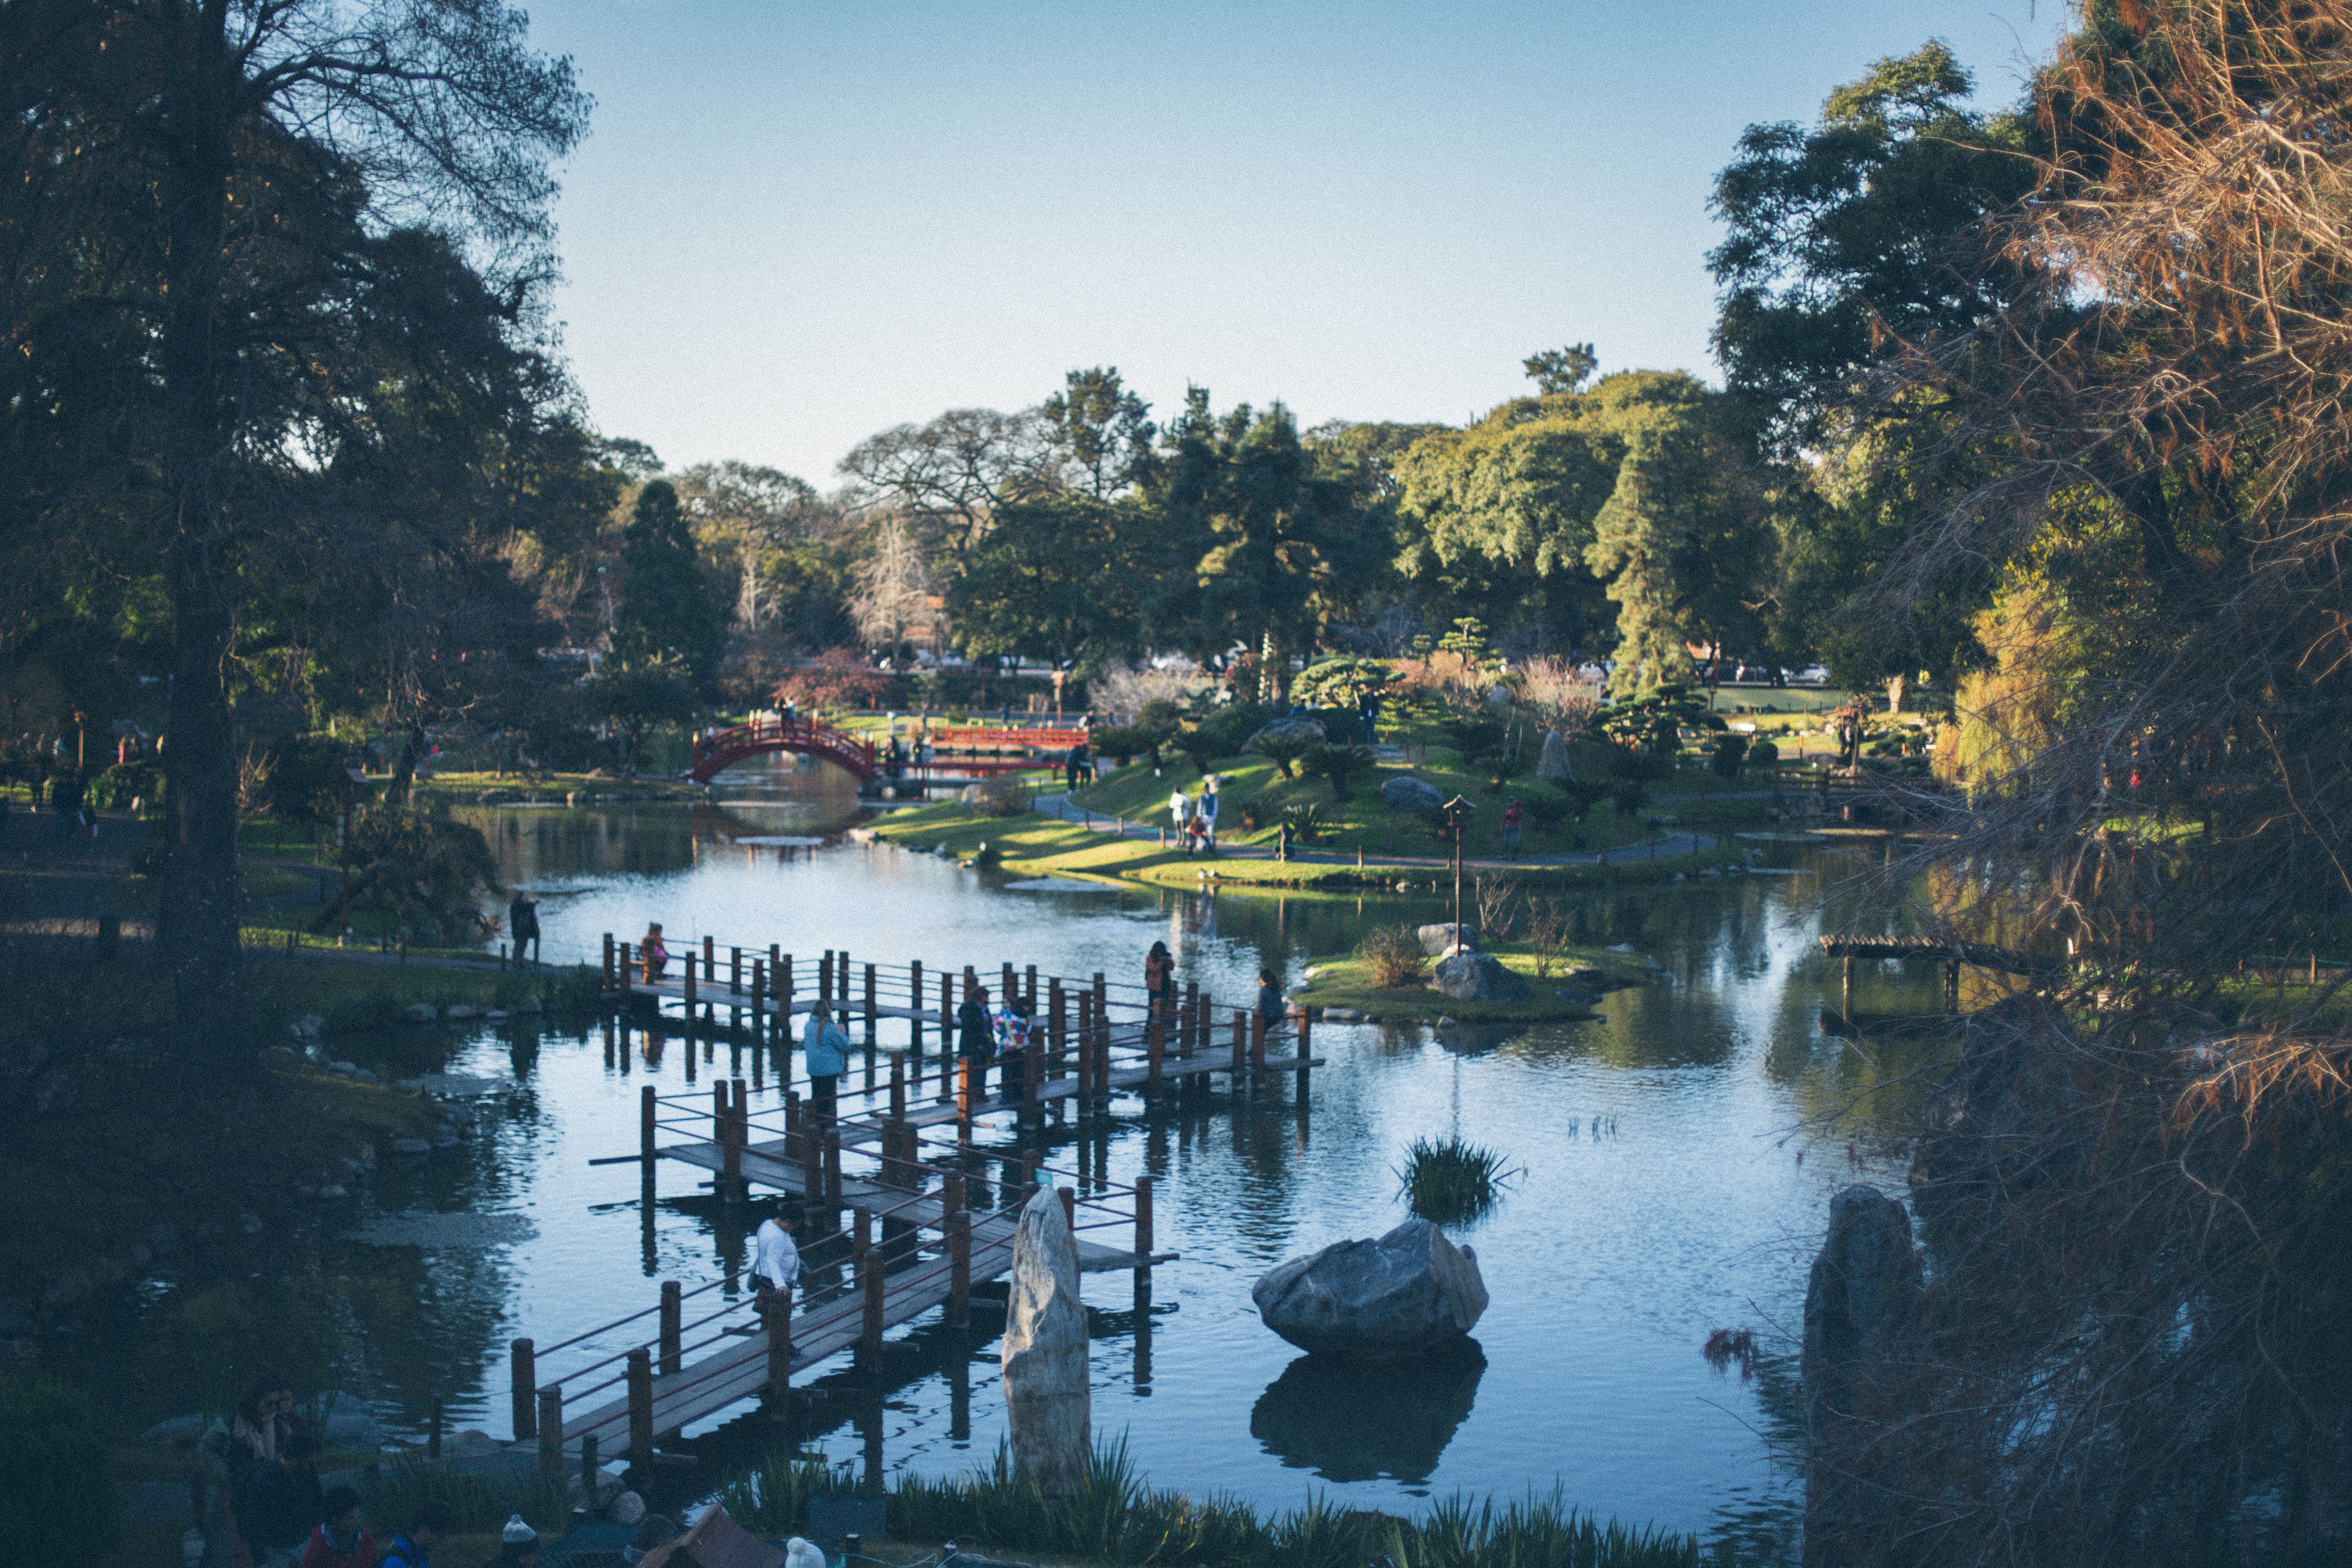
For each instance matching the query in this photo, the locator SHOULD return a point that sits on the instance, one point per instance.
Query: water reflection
(1361, 1421)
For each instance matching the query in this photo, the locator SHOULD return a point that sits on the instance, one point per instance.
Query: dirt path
(56, 885)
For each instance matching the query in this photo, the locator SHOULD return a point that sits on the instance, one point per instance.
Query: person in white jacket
(1179, 806)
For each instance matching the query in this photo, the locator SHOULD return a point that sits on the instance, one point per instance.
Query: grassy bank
(1033, 846)
(1348, 982)
(1116, 1517)
(366, 994)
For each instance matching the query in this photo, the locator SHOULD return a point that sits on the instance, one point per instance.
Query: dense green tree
(1101, 431)
(232, 182)
(1639, 491)
(1556, 371)
(1859, 234)
(668, 609)
(1278, 545)
(1067, 575)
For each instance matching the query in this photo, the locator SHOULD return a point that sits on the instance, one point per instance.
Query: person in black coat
(1270, 1006)
(280, 1502)
(976, 1038)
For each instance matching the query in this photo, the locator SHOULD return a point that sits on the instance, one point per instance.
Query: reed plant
(1450, 1181)
(1395, 956)
(1116, 1517)
(482, 1500)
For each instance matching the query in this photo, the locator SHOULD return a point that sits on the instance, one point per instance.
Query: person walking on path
(278, 1503)
(522, 924)
(1512, 816)
(428, 1522)
(1180, 807)
(1074, 762)
(825, 1051)
(654, 952)
(1207, 811)
(341, 1541)
(976, 1038)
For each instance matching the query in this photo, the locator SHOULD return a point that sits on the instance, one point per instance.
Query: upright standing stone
(1045, 1354)
(1555, 765)
(1861, 1305)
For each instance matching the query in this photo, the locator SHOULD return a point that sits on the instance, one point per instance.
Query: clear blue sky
(793, 224)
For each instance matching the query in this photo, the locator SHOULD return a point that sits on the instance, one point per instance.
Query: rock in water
(1478, 977)
(1406, 792)
(1437, 941)
(1044, 1353)
(1554, 764)
(1410, 1292)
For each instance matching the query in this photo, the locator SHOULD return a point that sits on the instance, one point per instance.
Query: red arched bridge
(774, 732)
(966, 752)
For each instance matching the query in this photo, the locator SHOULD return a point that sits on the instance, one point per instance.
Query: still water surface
(1670, 1178)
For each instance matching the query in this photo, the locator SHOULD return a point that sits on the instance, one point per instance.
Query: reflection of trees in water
(1360, 1421)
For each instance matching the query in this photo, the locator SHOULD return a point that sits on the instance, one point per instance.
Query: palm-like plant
(1283, 751)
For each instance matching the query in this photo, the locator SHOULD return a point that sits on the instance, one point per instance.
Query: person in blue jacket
(825, 1051)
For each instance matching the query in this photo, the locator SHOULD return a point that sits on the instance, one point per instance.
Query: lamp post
(1456, 810)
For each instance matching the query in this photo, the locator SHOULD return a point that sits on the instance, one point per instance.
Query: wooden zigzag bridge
(896, 1156)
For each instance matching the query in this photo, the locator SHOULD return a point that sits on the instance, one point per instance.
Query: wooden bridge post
(1306, 1026)
(608, 962)
(796, 1139)
(841, 986)
(1143, 1225)
(1100, 1056)
(1155, 1048)
(641, 1407)
(872, 1020)
(833, 1164)
(1057, 1021)
(869, 1339)
(709, 960)
(825, 981)
(522, 1378)
(648, 1114)
(1081, 1059)
(550, 1424)
(964, 1096)
(959, 1228)
(739, 1117)
(1257, 1040)
(1845, 992)
(914, 1008)
(1240, 1042)
(779, 980)
(1029, 991)
(673, 1317)
(735, 972)
(687, 984)
(776, 1314)
(898, 1086)
(759, 1003)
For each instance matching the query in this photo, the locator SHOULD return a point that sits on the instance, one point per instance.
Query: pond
(1670, 1178)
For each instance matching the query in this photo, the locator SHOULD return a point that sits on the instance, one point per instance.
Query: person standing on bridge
(654, 952)
(976, 1038)
(776, 1259)
(1160, 979)
(824, 1050)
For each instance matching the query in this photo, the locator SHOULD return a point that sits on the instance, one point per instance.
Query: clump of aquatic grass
(481, 1499)
(1116, 1517)
(1395, 956)
(1450, 1181)
(773, 1499)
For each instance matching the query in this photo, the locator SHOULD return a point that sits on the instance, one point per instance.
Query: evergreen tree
(668, 609)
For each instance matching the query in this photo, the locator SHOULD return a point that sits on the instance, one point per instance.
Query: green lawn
(1347, 981)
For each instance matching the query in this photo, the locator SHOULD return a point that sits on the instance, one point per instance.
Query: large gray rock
(1478, 977)
(1291, 729)
(1554, 764)
(1437, 941)
(1406, 792)
(1863, 1289)
(1410, 1292)
(1044, 1351)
